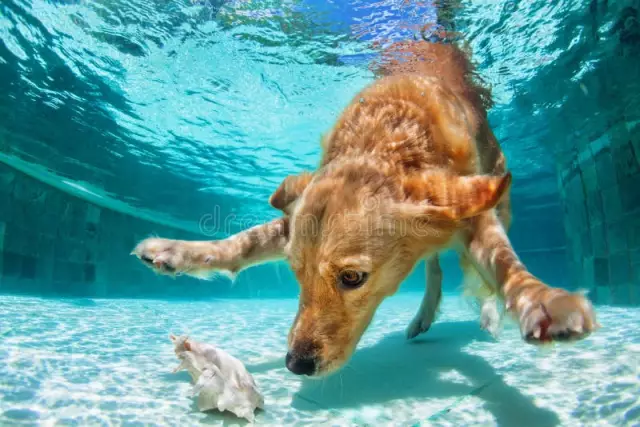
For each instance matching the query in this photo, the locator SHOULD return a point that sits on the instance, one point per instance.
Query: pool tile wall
(599, 180)
(52, 243)
(599, 162)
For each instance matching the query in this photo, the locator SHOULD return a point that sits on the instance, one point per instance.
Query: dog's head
(355, 234)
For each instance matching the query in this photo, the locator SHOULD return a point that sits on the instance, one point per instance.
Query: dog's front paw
(199, 259)
(562, 317)
(164, 256)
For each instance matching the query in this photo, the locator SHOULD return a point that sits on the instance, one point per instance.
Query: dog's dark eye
(351, 279)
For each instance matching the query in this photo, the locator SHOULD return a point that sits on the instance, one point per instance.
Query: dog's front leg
(543, 312)
(257, 244)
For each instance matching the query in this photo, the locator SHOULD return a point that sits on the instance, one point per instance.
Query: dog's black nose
(301, 365)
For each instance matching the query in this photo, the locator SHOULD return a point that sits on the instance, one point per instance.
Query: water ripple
(191, 97)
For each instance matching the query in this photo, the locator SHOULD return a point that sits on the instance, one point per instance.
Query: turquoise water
(125, 119)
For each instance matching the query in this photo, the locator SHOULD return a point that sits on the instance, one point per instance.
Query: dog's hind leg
(258, 244)
(430, 301)
(477, 289)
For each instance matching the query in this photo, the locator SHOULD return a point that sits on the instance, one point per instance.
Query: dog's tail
(445, 60)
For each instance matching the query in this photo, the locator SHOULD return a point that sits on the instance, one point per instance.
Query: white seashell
(221, 382)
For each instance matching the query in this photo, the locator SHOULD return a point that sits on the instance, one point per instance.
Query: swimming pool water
(108, 362)
(125, 119)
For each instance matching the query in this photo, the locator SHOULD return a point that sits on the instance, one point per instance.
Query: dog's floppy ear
(442, 196)
(289, 190)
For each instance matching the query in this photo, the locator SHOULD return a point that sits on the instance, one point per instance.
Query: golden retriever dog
(410, 169)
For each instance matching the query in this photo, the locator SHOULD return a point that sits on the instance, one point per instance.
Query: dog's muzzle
(305, 365)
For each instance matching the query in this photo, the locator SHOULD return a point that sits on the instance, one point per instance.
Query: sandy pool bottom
(109, 362)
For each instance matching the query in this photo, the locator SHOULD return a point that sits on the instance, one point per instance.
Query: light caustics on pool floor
(109, 362)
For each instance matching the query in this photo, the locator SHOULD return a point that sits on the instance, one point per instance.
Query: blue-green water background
(192, 112)
(122, 119)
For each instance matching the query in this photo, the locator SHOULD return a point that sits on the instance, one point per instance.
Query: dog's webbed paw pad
(165, 256)
(568, 317)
